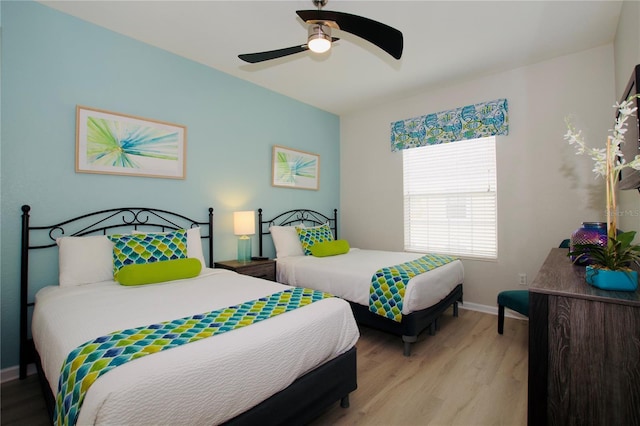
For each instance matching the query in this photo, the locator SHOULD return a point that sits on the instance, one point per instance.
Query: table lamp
(244, 224)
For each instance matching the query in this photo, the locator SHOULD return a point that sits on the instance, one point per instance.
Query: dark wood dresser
(584, 349)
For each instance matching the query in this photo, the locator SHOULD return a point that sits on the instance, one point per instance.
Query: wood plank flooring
(23, 403)
(467, 374)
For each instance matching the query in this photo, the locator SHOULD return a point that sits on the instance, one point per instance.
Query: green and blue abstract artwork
(295, 169)
(119, 144)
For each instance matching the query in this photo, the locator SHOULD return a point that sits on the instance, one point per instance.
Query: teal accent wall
(52, 62)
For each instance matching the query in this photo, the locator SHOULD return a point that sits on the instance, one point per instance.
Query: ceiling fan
(319, 39)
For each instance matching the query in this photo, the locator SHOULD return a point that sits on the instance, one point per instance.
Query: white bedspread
(349, 276)
(202, 383)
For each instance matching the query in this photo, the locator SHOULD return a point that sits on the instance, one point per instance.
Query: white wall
(627, 55)
(545, 191)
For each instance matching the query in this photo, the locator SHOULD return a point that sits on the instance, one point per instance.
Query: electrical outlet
(522, 278)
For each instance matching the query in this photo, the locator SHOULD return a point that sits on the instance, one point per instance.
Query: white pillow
(194, 244)
(286, 241)
(84, 260)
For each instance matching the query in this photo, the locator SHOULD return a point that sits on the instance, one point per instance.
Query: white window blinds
(450, 198)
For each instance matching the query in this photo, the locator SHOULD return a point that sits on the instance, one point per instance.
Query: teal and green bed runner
(94, 358)
(388, 285)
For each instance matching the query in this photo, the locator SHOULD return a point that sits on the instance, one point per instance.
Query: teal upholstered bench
(516, 300)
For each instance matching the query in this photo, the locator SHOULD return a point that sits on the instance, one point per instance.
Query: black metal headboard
(295, 217)
(95, 223)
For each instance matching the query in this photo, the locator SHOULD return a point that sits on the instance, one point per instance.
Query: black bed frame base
(412, 324)
(291, 406)
(328, 383)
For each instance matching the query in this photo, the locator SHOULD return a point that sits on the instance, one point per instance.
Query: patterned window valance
(469, 122)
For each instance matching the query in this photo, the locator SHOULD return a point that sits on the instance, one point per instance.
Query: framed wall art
(120, 144)
(295, 169)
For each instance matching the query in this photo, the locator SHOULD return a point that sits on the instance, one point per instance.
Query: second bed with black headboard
(252, 374)
(348, 275)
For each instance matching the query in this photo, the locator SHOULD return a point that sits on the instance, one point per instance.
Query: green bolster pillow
(329, 248)
(157, 272)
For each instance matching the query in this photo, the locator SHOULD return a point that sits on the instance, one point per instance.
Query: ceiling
(445, 42)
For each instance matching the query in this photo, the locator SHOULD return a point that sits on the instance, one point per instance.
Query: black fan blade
(385, 37)
(272, 54)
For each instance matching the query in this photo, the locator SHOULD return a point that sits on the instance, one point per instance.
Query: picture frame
(292, 168)
(120, 144)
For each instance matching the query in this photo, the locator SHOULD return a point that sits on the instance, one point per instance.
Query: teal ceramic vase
(612, 280)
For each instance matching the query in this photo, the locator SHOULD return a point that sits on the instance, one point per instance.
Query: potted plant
(610, 264)
(615, 258)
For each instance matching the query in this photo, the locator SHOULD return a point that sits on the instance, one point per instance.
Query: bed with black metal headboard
(293, 218)
(100, 222)
(297, 401)
(330, 274)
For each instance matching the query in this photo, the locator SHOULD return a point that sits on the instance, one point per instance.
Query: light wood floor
(467, 374)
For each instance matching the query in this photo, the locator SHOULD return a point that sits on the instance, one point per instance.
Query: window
(450, 198)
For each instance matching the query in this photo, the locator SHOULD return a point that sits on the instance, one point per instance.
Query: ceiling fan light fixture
(319, 24)
(319, 40)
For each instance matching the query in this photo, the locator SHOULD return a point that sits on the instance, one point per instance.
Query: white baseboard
(493, 310)
(13, 373)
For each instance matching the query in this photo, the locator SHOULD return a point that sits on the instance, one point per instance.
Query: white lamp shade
(244, 223)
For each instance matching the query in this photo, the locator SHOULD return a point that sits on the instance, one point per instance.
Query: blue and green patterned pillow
(147, 248)
(310, 236)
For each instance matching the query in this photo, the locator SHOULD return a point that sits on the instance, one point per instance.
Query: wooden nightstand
(265, 269)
